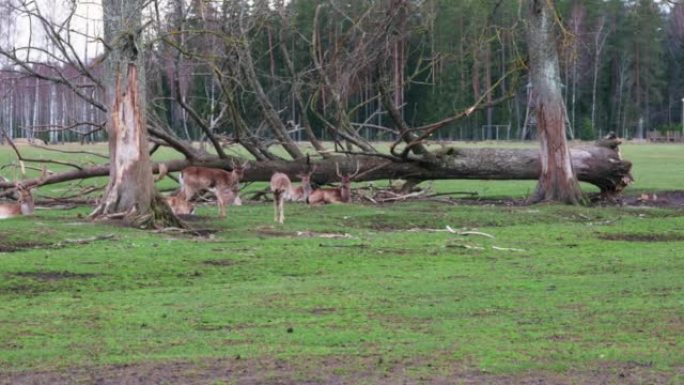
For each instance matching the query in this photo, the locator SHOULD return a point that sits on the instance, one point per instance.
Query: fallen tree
(599, 164)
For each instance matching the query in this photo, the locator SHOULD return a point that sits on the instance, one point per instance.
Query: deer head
(345, 180)
(23, 206)
(239, 170)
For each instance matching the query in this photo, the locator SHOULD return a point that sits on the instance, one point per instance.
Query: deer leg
(281, 206)
(220, 203)
(187, 193)
(221, 208)
(276, 199)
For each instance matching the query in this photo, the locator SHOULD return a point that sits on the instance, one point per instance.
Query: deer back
(9, 210)
(195, 179)
(325, 195)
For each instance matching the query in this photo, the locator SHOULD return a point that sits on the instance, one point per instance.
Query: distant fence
(667, 136)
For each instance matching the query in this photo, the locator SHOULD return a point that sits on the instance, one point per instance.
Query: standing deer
(223, 184)
(282, 189)
(340, 194)
(23, 206)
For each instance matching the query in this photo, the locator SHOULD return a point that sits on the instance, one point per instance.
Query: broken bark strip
(557, 182)
(131, 186)
(599, 165)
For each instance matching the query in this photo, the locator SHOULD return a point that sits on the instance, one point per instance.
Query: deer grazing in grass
(223, 184)
(340, 194)
(282, 190)
(23, 206)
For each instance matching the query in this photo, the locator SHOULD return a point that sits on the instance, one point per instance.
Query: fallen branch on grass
(506, 248)
(402, 197)
(451, 230)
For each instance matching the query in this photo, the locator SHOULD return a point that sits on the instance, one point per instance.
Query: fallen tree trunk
(599, 164)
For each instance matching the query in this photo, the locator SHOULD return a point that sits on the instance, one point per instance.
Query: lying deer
(23, 206)
(282, 189)
(340, 194)
(179, 205)
(223, 184)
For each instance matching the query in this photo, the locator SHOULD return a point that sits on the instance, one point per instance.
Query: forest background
(622, 68)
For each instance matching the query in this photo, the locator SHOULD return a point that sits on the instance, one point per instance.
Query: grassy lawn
(556, 290)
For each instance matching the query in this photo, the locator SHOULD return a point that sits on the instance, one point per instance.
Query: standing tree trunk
(557, 180)
(131, 190)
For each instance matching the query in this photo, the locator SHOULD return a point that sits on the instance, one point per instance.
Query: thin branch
(22, 158)
(195, 116)
(46, 148)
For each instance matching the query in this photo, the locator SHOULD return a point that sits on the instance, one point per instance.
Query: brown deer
(179, 205)
(223, 184)
(340, 194)
(282, 189)
(23, 206)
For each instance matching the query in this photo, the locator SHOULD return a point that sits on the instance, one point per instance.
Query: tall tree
(557, 180)
(645, 47)
(131, 190)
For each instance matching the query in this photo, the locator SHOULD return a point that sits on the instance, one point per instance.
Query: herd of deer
(224, 185)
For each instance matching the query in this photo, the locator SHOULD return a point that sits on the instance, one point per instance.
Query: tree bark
(557, 181)
(599, 164)
(131, 188)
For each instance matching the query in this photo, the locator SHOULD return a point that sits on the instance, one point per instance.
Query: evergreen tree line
(318, 68)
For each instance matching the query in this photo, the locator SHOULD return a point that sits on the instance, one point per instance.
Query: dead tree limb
(599, 165)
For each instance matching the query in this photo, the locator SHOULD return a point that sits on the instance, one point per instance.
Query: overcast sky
(85, 26)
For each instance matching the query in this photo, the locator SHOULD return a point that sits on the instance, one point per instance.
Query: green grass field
(357, 293)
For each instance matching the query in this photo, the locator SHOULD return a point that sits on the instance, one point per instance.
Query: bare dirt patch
(52, 275)
(11, 246)
(40, 281)
(665, 199)
(220, 262)
(334, 371)
(641, 237)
